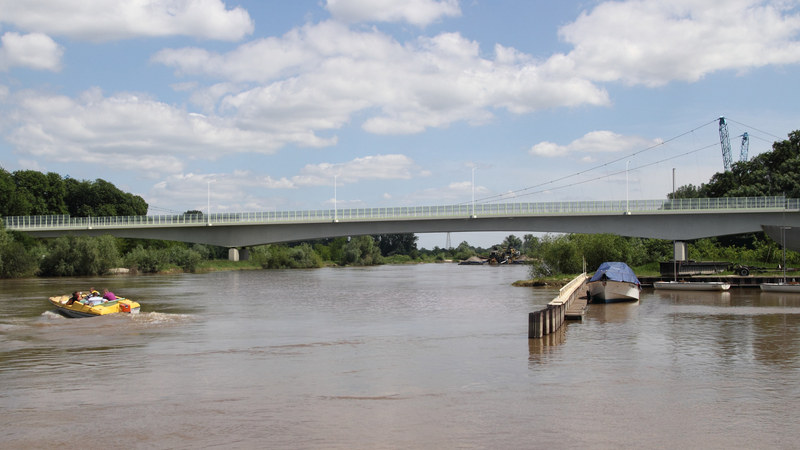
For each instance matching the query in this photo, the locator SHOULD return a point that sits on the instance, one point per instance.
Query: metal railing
(731, 204)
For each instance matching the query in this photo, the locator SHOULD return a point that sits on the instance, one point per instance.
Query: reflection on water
(418, 356)
(711, 298)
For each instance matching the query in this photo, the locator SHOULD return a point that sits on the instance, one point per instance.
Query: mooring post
(535, 325)
(546, 328)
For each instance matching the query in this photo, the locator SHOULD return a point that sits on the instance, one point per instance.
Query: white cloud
(243, 190)
(455, 192)
(652, 42)
(319, 76)
(594, 142)
(377, 167)
(415, 12)
(374, 167)
(134, 131)
(34, 51)
(104, 20)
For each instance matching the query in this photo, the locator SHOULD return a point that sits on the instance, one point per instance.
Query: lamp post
(473, 192)
(208, 201)
(335, 217)
(627, 209)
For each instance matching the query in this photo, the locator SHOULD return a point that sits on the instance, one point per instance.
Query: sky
(299, 105)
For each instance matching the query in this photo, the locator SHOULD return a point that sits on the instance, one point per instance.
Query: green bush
(362, 251)
(147, 260)
(185, 258)
(283, 257)
(79, 256)
(17, 261)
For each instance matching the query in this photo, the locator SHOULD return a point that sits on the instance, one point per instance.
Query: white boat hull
(613, 291)
(780, 287)
(692, 285)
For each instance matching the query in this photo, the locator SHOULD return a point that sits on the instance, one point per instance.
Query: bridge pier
(234, 254)
(679, 251)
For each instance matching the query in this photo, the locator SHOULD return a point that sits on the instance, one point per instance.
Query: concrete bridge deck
(681, 219)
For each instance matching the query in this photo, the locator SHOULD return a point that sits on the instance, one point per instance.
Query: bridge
(678, 220)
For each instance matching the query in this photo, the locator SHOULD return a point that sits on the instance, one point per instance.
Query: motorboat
(692, 285)
(614, 281)
(79, 309)
(780, 287)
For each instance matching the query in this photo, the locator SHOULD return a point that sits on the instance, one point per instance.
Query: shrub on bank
(283, 257)
(79, 256)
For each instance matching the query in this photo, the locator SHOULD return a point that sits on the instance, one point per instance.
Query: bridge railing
(411, 212)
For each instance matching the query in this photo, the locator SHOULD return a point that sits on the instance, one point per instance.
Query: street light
(473, 192)
(627, 209)
(335, 217)
(208, 201)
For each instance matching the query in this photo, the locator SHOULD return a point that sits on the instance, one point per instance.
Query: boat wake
(142, 318)
(52, 315)
(159, 318)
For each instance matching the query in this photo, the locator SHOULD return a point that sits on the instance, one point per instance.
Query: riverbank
(554, 281)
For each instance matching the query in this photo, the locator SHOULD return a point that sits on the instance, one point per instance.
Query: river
(414, 356)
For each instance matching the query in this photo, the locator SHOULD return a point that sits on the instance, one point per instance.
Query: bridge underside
(671, 226)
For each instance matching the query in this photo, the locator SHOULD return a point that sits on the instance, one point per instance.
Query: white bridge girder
(672, 225)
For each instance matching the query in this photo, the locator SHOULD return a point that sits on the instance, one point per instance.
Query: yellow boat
(77, 309)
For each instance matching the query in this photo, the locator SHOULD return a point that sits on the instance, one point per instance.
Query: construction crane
(724, 141)
(745, 147)
(727, 161)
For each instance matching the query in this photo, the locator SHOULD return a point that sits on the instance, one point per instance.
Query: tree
(463, 251)
(362, 251)
(530, 244)
(512, 242)
(274, 256)
(772, 173)
(101, 198)
(80, 255)
(687, 191)
(397, 244)
(7, 194)
(15, 259)
(31, 194)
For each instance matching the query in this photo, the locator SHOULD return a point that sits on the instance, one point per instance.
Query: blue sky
(266, 103)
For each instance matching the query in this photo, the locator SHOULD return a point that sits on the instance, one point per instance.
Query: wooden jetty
(568, 305)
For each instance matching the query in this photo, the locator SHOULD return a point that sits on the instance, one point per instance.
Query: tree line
(32, 193)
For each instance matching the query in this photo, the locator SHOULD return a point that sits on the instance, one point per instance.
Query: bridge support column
(235, 254)
(680, 251)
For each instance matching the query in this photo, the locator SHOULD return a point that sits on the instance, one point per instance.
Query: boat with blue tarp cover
(613, 281)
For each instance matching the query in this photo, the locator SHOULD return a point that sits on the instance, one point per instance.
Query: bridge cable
(499, 197)
(715, 144)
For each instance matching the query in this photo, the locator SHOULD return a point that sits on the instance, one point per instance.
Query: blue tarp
(615, 271)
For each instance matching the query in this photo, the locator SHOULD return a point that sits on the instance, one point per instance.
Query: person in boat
(76, 297)
(94, 297)
(108, 295)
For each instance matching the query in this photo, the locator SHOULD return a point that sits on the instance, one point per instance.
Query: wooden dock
(750, 281)
(568, 305)
(577, 309)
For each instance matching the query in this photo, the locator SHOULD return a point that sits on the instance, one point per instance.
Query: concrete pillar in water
(680, 251)
(235, 254)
